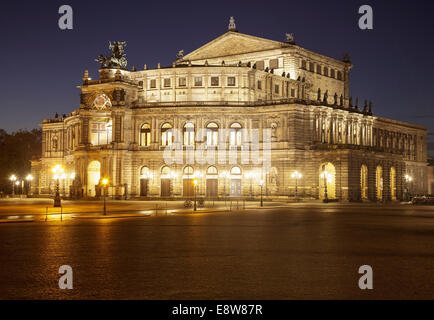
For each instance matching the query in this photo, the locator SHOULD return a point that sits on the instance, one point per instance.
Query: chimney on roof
(232, 26)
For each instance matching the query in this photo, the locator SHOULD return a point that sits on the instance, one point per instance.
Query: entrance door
(165, 187)
(144, 187)
(188, 188)
(235, 187)
(211, 188)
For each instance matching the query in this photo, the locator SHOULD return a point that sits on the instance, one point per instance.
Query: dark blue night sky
(41, 65)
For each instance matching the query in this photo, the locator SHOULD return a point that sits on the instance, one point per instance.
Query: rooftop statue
(116, 58)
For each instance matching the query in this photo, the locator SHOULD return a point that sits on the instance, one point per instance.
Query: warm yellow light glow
(195, 181)
(104, 181)
(261, 182)
(29, 177)
(13, 177)
(58, 172)
(296, 175)
(408, 178)
(73, 175)
(17, 183)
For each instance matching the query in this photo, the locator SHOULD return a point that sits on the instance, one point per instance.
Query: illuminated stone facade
(241, 83)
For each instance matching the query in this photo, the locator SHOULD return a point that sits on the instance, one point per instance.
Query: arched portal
(393, 183)
(212, 182)
(379, 182)
(145, 175)
(93, 177)
(364, 182)
(235, 187)
(327, 181)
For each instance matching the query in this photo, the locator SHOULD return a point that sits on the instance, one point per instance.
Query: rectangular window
(197, 81)
(214, 81)
(231, 81)
(318, 69)
(292, 92)
(326, 71)
(166, 83)
(332, 73)
(260, 65)
(274, 63)
(182, 82)
(276, 88)
(303, 64)
(153, 84)
(311, 66)
(259, 84)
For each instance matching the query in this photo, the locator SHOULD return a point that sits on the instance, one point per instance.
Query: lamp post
(17, 183)
(261, 183)
(104, 183)
(58, 174)
(326, 176)
(408, 180)
(29, 179)
(195, 192)
(296, 175)
(13, 178)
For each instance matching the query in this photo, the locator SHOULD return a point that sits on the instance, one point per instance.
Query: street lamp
(58, 174)
(17, 183)
(408, 180)
(261, 183)
(13, 178)
(29, 179)
(104, 183)
(195, 191)
(327, 178)
(296, 175)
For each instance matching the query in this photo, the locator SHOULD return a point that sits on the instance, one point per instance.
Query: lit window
(231, 81)
(235, 134)
(189, 134)
(212, 134)
(166, 134)
(145, 135)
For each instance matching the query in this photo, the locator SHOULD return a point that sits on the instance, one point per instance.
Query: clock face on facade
(102, 102)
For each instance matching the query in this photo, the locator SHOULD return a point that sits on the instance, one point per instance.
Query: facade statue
(116, 58)
(319, 94)
(342, 100)
(326, 96)
(336, 99)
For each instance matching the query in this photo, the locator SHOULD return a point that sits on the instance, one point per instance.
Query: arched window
(188, 171)
(235, 138)
(212, 134)
(166, 134)
(211, 171)
(145, 135)
(165, 171)
(189, 134)
(235, 171)
(145, 173)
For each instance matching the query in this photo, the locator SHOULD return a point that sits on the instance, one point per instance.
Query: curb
(16, 220)
(112, 216)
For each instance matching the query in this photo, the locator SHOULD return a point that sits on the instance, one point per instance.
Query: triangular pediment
(232, 43)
